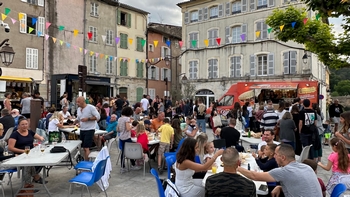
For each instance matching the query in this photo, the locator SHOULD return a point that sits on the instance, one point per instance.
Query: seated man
(6, 120)
(65, 113)
(15, 114)
(228, 182)
(269, 135)
(231, 135)
(111, 131)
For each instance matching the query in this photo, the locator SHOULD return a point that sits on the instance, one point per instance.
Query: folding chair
(134, 151)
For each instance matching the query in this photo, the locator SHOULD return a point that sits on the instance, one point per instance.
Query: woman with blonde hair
(56, 122)
(202, 140)
(344, 132)
(287, 128)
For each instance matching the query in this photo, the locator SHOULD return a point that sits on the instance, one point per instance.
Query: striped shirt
(269, 120)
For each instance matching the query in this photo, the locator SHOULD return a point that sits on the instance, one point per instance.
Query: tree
(189, 90)
(315, 34)
(343, 87)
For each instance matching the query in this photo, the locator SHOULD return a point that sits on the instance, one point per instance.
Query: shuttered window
(139, 69)
(212, 35)
(235, 67)
(213, 68)
(193, 70)
(289, 62)
(32, 58)
(123, 68)
(123, 41)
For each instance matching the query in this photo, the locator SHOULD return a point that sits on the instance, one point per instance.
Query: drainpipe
(116, 50)
(84, 33)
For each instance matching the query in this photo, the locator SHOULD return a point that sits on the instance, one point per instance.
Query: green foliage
(189, 90)
(343, 87)
(334, 94)
(338, 75)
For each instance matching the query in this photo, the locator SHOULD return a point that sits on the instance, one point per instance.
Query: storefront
(207, 96)
(96, 87)
(16, 86)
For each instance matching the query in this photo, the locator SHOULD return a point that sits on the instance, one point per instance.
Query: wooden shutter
(244, 30)
(139, 94)
(23, 24)
(252, 65)
(252, 5)
(215, 68)
(271, 3)
(157, 73)
(129, 20)
(126, 41)
(205, 17)
(28, 58)
(186, 20)
(41, 3)
(162, 52)
(195, 70)
(118, 17)
(41, 25)
(162, 74)
(227, 9)
(210, 68)
(169, 74)
(259, 28)
(35, 58)
(263, 30)
(200, 15)
(139, 45)
(286, 63)
(227, 34)
(221, 10)
(232, 66)
(244, 5)
(293, 62)
(238, 66)
(271, 64)
(190, 70)
(121, 68)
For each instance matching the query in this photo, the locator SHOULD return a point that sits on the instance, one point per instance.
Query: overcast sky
(167, 12)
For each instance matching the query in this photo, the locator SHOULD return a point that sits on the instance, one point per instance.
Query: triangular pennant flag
(3, 16)
(13, 21)
(269, 30)
(243, 37)
(20, 16)
(218, 40)
(206, 43)
(117, 40)
(115, 58)
(75, 32)
(155, 43)
(46, 36)
(39, 33)
(30, 30)
(281, 27)
(96, 54)
(106, 56)
(110, 58)
(293, 24)
(318, 16)
(48, 25)
(120, 59)
(101, 55)
(103, 38)
(128, 59)
(89, 35)
(75, 47)
(168, 43)
(230, 39)
(80, 49)
(7, 11)
(61, 42)
(194, 43)
(67, 45)
(54, 39)
(143, 42)
(305, 20)
(257, 34)
(180, 44)
(136, 60)
(85, 51)
(142, 61)
(124, 59)
(130, 41)
(61, 28)
(34, 21)
(91, 53)
(146, 60)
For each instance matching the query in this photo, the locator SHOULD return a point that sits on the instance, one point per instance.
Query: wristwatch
(88, 119)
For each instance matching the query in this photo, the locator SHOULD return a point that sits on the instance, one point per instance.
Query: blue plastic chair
(84, 165)
(170, 160)
(159, 183)
(197, 159)
(338, 190)
(89, 178)
(177, 149)
(10, 173)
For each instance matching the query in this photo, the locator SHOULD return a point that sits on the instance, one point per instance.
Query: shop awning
(246, 95)
(99, 83)
(275, 86)
(16, 79)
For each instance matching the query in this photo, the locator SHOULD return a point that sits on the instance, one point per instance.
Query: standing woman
(344, 132)
(288, 126)
(25, 105)
(7, 102)
(236, 113)
(295, 114)
(160, 106)
(319, 121)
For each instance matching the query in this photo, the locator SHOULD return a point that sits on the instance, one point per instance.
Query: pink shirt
(333, 157)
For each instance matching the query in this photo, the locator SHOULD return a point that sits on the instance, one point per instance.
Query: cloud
(161, 11)
(337, 22)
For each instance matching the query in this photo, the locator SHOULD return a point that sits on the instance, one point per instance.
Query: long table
(36, 158)
(151, 142)
(253, 166)
(71, 129)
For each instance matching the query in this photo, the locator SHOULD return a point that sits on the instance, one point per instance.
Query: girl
(142, 137)
(178, 134)
(338, 161)
(191, 129)
(209, 151)
(344, 132)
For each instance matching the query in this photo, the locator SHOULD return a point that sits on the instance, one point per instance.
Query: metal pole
(147, 66)
(177, 77)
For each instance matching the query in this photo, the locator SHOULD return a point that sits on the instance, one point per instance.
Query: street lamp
(223, 82)
(6, 53)
(305, 56)
(184, 80)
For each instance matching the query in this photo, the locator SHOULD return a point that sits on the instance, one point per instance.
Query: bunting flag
(96, 54)
(146, 60)
(230, 39)
(85, 51)
(305, 20)
(180, 44)
(257, 34)
(194, 43)
(80, 49)
(243, 37)
(318, 16)
(89, 35)
(115, 58)
(39, 33)
(91, 53)
(54, 39)
(61, 42)
(103, 38)
(3, 16)
(67, 45)
(293, 24)
(111, 58)
(30, 30)
(7, 11)
(155, 43)
(20, 16)
(75, 47)
(34, 21)
(46, 36)
(117, 40)
(106, 56)
(130, 41)
(47, 25)
(218, 40)
(168, 43)
(281, 27)
(143, 42)
(75, 32)
(13, 21)
(206, 43)
(61, 28)
(101, 55)
(269, 30)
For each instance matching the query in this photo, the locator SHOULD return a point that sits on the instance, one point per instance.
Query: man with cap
(147, 124)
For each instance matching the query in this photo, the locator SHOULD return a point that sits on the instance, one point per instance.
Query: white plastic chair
(304, 154)
(134, 151)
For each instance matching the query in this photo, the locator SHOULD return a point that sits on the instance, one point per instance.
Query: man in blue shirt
(111, 130)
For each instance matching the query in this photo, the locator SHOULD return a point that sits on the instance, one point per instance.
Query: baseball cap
(147, 122)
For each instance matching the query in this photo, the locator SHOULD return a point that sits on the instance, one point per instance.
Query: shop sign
(307, 90)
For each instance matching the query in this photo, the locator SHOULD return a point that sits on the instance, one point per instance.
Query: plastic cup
(213, 169)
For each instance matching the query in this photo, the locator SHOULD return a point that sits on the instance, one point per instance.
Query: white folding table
(71, 129)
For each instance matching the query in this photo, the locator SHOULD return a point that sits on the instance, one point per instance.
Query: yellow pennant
(206, 42)
(75, 32)
(20, 16)
(120, 59)
(91, 53)
(257, 34)
(155, 43)
(130, 41)
(54, 39)
(3, 16)
(61, 42)
(80, 49)
(281, 27)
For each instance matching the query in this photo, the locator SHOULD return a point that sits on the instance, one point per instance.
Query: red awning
(275, 86)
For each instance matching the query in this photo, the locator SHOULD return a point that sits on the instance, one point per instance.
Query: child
(327, 132)
(209, 151)
(270, 163)
(191, 128)
(313, 165)
(142, 138)
(217, 133)
(166, 141)
(133, 129)
(344, 133)
(338, 161)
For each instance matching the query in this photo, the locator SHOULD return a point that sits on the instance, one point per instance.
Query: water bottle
(248, 166)
(249, 133)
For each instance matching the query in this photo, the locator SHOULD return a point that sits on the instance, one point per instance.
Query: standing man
(200, 114)
(119, 106)
(37, 96)
(145, 105)
(87, 115)
(334, 113)
(231, 135)
(307, 122)
(269, 119)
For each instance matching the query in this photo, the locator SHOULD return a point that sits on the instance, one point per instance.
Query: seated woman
(2, 156)
(186, 166)
(55, 122)
(18, 141)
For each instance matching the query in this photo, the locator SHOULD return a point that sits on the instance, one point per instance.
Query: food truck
(259, 92)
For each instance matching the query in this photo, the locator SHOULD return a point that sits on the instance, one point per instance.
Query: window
(124, 19)
(212, 35)
(166, 73)
(93, 30)
(94, 9)
(109, 37)
(262, 65)
(236, 34)
(226, 101)
(214, 12)
(153, 73)
(235, 68)
(139, 44)
(165, 39)
(193, 42)
(194, 16)
(262, 4)
(109, 66)
(123, 68)
(35, 2)
(31, 28)
(93, 64)
(193, 69)
(41, 26)
(139, 69)
(165, 51)
(123, 41)
(150, 48)
(236, 7)
(152, 93)
(262, 27)
(213, 68)
(32, 58)
(290, 62)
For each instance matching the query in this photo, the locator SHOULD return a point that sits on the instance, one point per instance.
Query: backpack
(201, 109)
(170, 189)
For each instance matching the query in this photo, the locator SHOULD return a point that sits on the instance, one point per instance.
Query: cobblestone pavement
(121, 185)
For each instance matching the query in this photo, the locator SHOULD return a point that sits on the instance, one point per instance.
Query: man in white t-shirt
(65, 113)
(144, 105)
(268, 139)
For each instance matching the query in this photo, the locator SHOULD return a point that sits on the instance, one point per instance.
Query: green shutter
(118, 17)
(139, 70)
(126, 68)
(139, 94)
(123, 41)
(123, 68)
(126, 40)
(129, 20)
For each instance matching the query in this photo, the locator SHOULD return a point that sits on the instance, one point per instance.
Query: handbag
(61, 149)
(217, 121)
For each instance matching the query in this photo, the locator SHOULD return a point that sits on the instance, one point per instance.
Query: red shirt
(143, 140)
